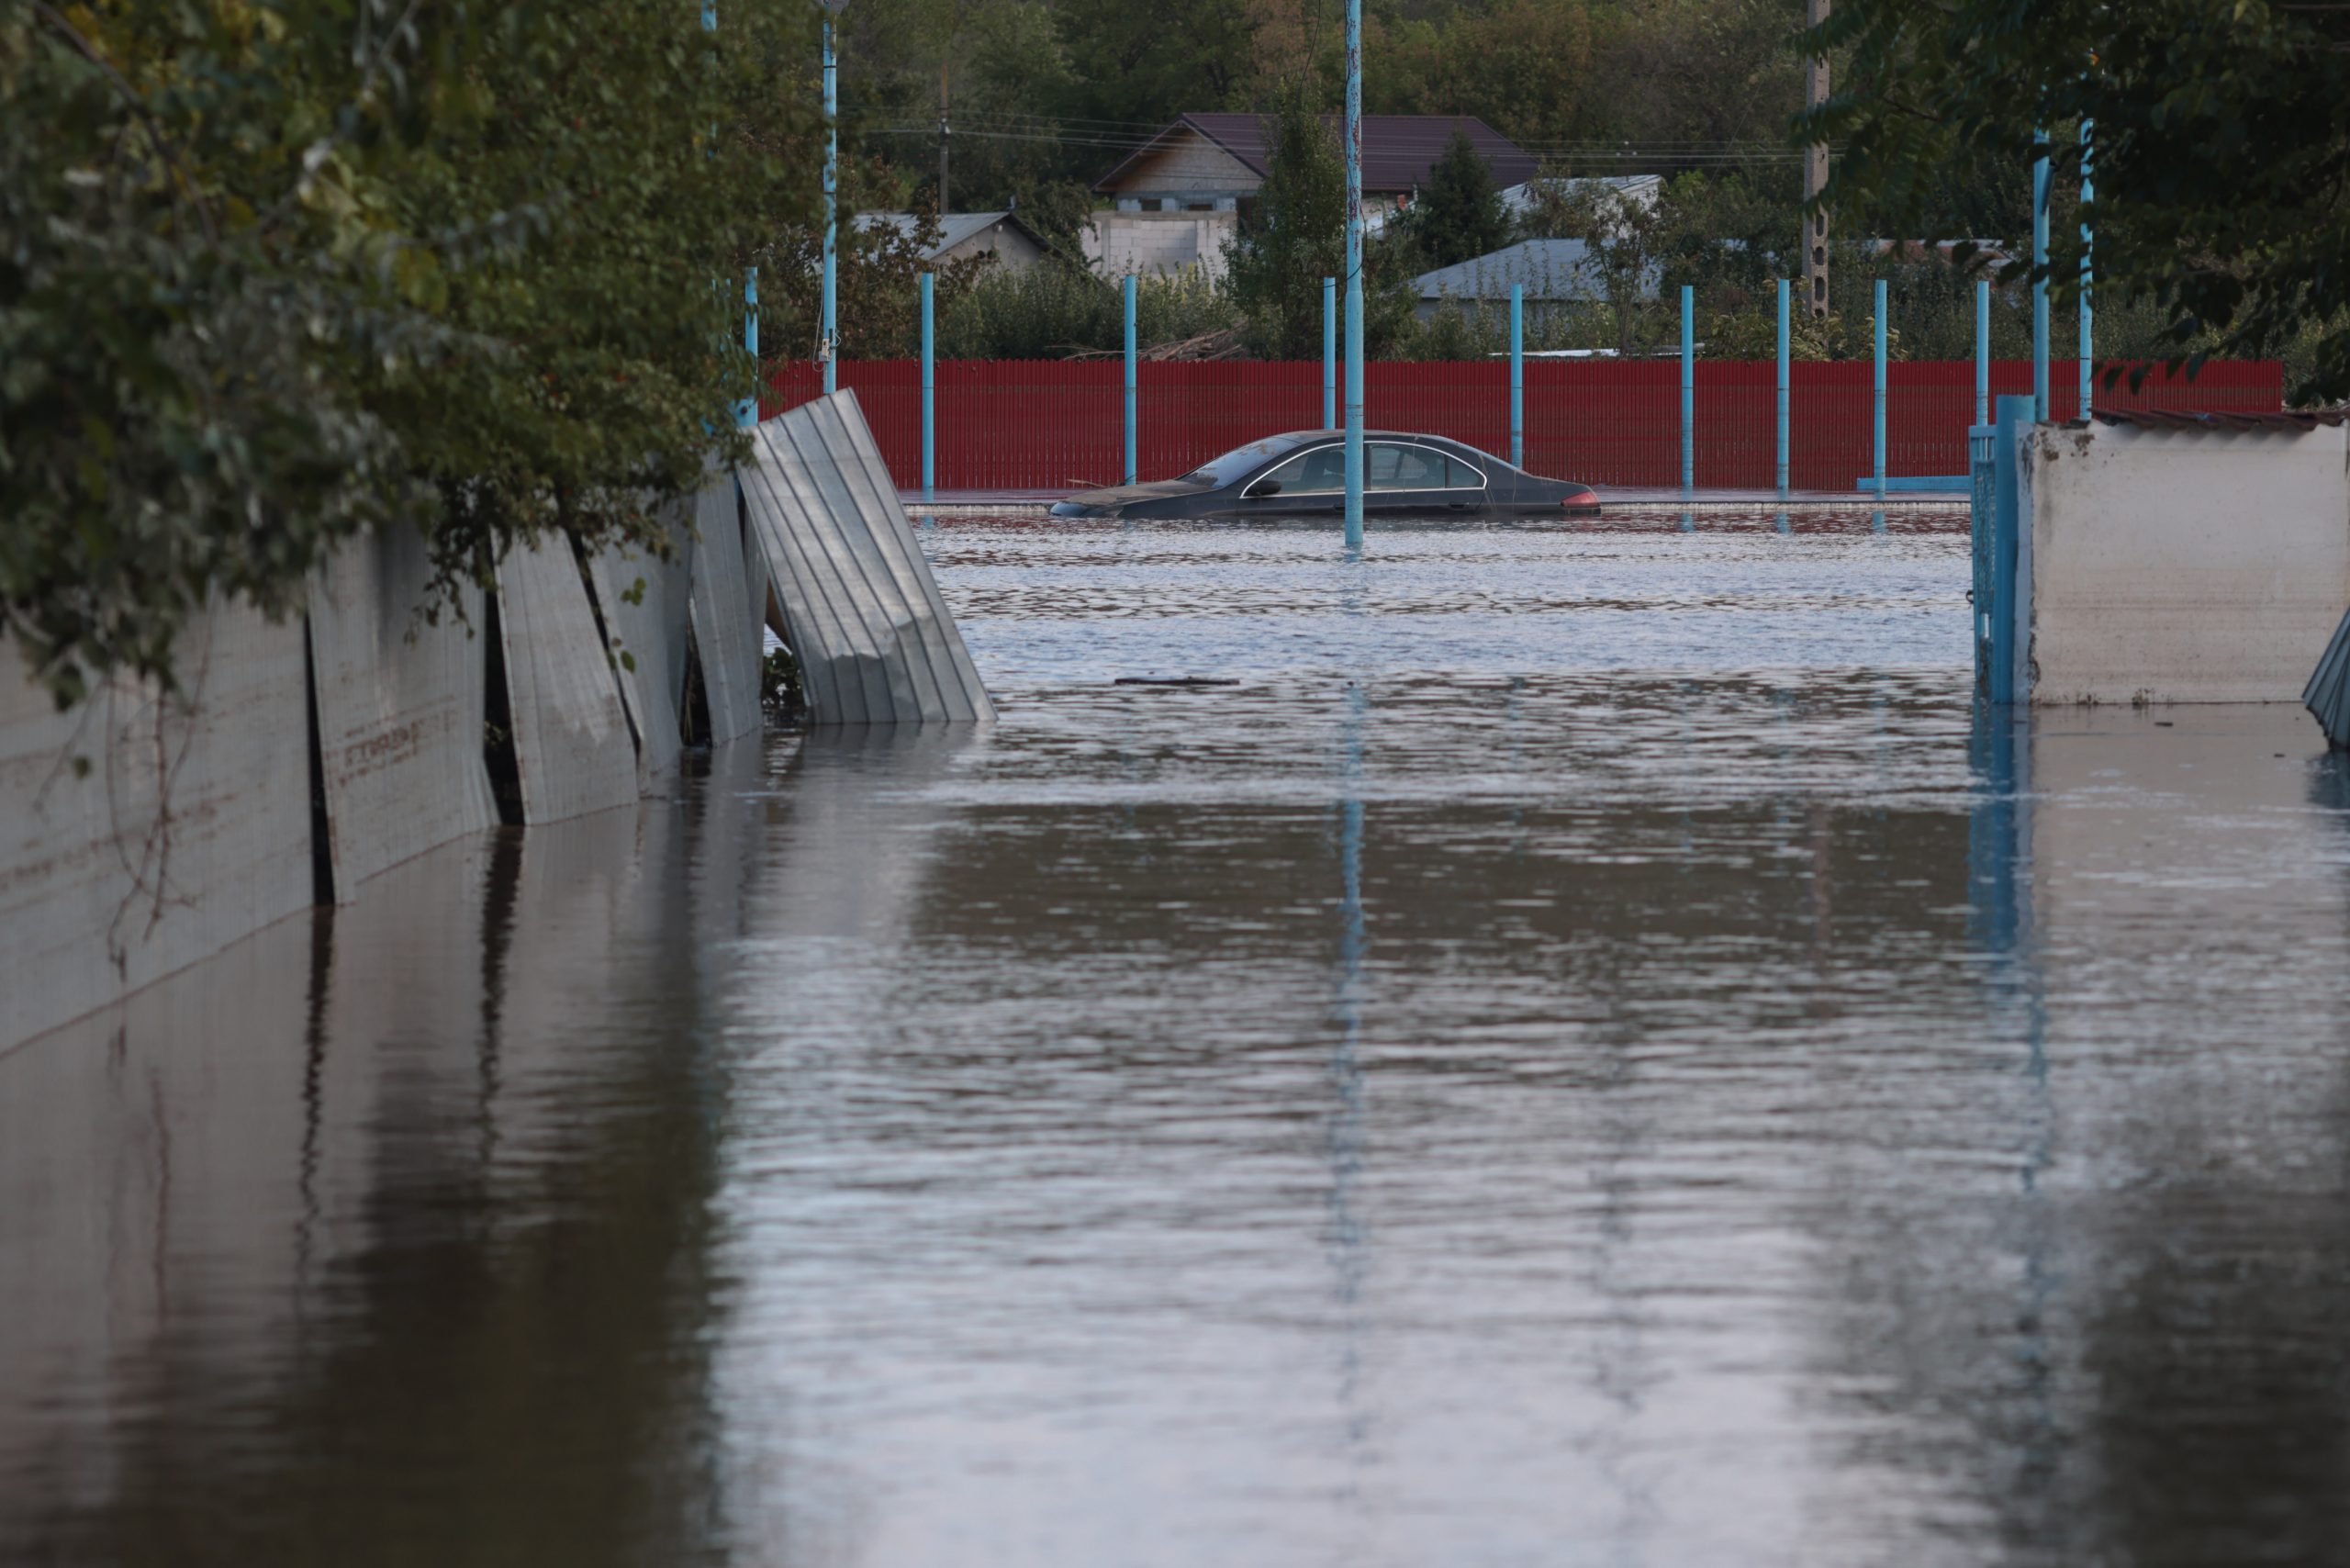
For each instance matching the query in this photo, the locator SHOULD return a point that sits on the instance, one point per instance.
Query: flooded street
(1586, 1052)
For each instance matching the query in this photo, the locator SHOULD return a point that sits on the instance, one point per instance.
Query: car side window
(1390, 467)
(1460, 475)
(1310, 472)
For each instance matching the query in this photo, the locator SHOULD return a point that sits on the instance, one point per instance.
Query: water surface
(1586, 1053)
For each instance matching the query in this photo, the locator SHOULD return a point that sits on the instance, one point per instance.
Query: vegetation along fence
(1060, 424)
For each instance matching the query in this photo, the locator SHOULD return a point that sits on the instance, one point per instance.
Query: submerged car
(1304, 474)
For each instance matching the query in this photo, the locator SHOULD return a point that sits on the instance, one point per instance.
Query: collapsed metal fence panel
(875, 641)
(572, 746)
(644, 599)
(189, 828)
(401, 706)
(726, 637)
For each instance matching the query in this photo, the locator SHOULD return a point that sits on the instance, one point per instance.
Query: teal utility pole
(1982, 350)
(1518, 375)
(1878, 386)
(828, 348)
(1129, 293)
(1783, 388)
(1688, 388)
(1354, 272)
(2040, 278)
(929, 395)
(748, 414)
(2088, 189)
(1329, 353)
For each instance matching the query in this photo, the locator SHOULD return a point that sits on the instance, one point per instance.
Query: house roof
(1546, 269)
(1398, 150)
(954, 228)
(1632, 187)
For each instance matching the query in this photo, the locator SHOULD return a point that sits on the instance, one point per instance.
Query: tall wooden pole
(1814, 174)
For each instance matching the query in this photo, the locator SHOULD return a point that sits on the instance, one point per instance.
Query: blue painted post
(929, 395)
(1688, 387)
(1879, 388)
(1354, 273)
(1517, 374)
(828, 347)
(1783, 388)
(1129, 292)
(1982, 350)
(1329, 353)
(2040, 278)
(2005, 542)
(2088, 190)
(747, 414)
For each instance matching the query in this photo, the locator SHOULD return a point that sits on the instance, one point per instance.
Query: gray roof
(1548, 269)
(954, 228)
(1637, 187)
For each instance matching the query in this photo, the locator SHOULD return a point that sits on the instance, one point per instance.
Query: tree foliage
(274, 271)
(1461, 214)
(2221, 150)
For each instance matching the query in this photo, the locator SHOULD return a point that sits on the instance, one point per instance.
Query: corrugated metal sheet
(2221, 420)
(399, 719)
(189, 831)
(572, 744)
(649, 626)
(726, 635)
(874, 640)
(2328, 693)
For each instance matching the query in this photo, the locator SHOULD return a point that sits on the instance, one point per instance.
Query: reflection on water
(1589, 1053)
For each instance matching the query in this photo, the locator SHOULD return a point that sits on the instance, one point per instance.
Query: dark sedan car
(1304, 474)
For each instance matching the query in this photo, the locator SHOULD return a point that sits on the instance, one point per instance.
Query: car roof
(1301, 438)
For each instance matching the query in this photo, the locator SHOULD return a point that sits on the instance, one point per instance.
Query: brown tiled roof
(1398, 150)
(2180, 419)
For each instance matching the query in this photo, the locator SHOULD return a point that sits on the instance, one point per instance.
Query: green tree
(1461, 214)
(2222, 134)
(1292, 235)
(276, 271)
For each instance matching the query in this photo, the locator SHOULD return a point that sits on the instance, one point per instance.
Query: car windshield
(1239, 461)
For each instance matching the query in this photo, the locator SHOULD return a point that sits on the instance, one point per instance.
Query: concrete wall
(2183, 565)
(1117, 243)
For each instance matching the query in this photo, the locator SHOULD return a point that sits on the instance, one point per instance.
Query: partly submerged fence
(1055, 424)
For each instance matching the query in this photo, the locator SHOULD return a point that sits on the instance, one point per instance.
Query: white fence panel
(572, 745)
(726, 635)
(400, 716)
(649, 626)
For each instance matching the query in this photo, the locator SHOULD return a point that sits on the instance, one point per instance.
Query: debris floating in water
(1172, 680)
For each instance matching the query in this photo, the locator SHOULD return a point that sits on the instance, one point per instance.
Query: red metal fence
(1055, 424)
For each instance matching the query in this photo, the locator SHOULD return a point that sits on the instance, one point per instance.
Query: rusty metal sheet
(725, 635)
(572, 744)
(875, 643)
(644, 599)
(400, 717)
(189, 831)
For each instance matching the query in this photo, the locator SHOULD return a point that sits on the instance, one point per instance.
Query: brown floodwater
(1589, 1051)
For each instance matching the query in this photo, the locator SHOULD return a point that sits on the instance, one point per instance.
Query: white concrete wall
(1116, 243)
(2183, 565)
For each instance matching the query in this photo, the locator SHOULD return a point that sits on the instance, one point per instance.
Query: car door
(1404, 478)
(1306, 485)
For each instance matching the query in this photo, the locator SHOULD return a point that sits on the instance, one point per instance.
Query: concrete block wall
(2183, 565)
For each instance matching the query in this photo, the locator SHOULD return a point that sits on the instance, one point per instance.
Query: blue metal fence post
(748, 414)
(929, 395)
(1982, 350)
(1517, 374)
(2013, 412)
(1878, 385)
(1354, 272)
(828, 346)
(1783, 388)
(1688, 387)
(2039, 278)
(1329, 353)
(2088, 190)
(1129, 292)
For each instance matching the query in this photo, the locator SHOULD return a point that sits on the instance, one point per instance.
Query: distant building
(1554, 273)
(1212, 163)
(1116, 243)
(961, 234)
(1640, 190)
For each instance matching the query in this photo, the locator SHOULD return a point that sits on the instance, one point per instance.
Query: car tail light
(1581, 499)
